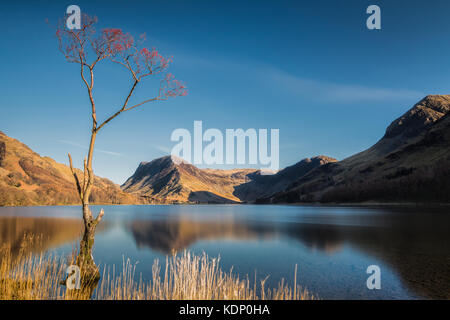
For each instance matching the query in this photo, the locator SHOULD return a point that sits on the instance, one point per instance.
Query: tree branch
(100, 216)
(77, 181)
(84, 174)
(124, 107)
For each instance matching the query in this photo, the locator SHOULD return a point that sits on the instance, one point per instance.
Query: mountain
(171, 180)
(26, 178)
(410, 163)
(262, 186)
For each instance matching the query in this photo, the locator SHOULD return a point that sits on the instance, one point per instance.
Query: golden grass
(29, 276)
(185, 277)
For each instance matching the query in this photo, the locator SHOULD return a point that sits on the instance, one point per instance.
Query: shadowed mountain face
(266, 185)
(170, 180)
(26, 178)
(410, 163)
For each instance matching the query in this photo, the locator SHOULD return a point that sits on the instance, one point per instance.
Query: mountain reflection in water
(411, 241)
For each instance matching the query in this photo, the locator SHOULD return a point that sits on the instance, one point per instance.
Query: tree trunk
(90, 274)
(89, 271)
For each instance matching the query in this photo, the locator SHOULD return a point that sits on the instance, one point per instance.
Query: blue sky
(311, 69)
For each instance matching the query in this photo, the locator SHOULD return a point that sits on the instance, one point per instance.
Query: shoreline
(300, 204)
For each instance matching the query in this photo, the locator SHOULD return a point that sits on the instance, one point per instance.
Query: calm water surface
(332, 246)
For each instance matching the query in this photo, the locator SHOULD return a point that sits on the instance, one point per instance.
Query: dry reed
(185, 277)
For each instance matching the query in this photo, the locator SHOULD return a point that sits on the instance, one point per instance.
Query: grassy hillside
(26, 178)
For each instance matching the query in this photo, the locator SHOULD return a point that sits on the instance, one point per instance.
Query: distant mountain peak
(323, 159)
(165, 160)
(171, 179)
(409, 163)
(422, 114)
(178, 160)
(262, 185)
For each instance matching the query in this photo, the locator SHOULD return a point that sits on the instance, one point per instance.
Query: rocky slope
(170, 180)
(262, 186)
(411, 163)
(26, 178)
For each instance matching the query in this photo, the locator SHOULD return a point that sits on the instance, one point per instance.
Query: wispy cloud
(335, 92)
(162, 149)
(71, 143)
(311, 89)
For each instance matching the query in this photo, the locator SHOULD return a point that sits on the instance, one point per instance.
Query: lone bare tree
(87, 47)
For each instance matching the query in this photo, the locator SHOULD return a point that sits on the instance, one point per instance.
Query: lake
(332, 246)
